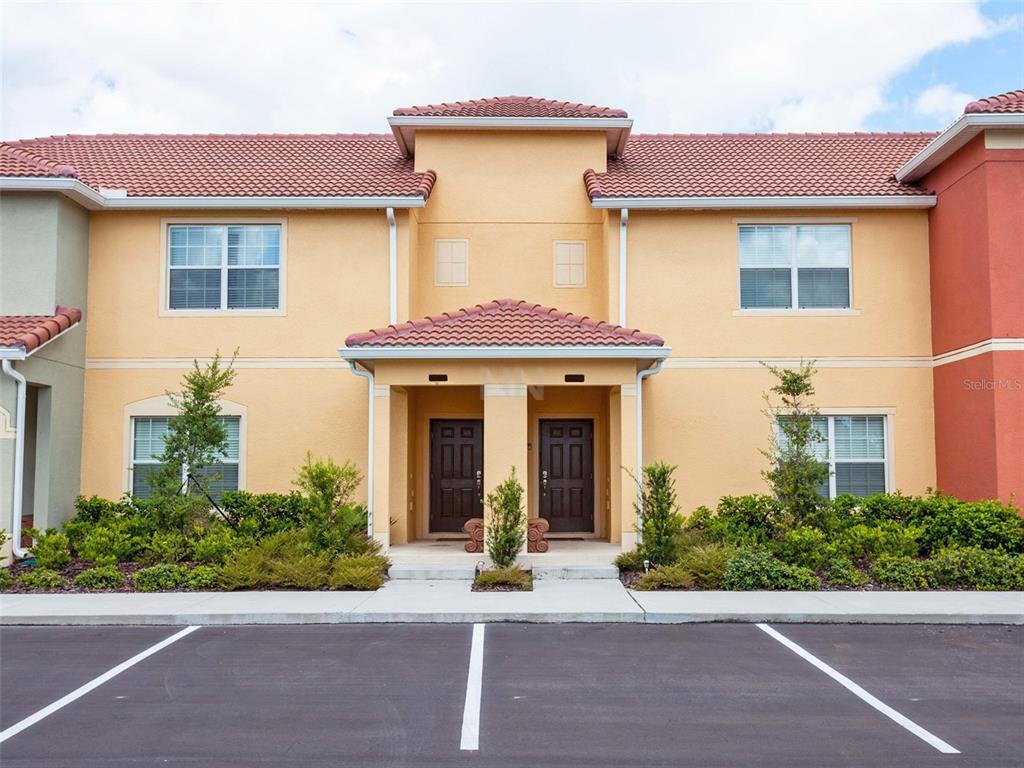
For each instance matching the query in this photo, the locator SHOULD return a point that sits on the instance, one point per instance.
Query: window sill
(796, 313)
(223, 313)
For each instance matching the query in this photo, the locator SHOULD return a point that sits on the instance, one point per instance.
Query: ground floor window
(854, 447)
(148, 435)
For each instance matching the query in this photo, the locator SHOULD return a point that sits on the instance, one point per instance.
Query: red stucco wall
(976, 234)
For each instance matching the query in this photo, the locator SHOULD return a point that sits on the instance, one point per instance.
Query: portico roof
(504, 328)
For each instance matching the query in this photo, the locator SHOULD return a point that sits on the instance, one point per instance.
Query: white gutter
(640, 376)
(368, 375)
(623, 225)
(965, 128)
(93, 200)
(631, 351)
(767, 201)
(392, 267)
(19, 459)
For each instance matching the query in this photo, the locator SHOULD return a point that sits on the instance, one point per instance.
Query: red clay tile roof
(741, 165)
(31, 331)
(1012, 101)
(509, 106)
(363, 165)
(500, 323)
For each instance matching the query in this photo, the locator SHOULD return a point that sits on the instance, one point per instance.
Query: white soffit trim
(404, 127)
(93, 200)
(452, 352)
(791, 201)
(950, 140)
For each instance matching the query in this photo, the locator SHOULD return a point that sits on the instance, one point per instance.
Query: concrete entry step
(432, 571)
(575, 571)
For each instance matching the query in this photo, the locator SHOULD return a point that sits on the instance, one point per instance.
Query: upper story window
(570, 264)
(224, 267)
(148, 436)
(795, 266)
(451, 262)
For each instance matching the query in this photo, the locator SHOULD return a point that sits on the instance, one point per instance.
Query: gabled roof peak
(511, 106)
(1011, 101)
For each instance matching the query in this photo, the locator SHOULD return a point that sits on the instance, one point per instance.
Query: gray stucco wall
(44, 243)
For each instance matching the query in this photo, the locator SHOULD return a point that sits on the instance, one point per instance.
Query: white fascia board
(792, 201)
(93, 200)
(73, 188)
(453, 352)
(12, 353)
(950, 140)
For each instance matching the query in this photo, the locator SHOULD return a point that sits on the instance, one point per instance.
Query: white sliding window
(148, 435)
(795, 266)
(854, 448)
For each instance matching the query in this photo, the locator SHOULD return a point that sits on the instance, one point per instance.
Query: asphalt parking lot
(513, 695)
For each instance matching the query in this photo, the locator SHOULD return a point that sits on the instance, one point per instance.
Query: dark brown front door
(456, 473)
(567, 474)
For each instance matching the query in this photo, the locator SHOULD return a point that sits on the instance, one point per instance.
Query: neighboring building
(894, 261)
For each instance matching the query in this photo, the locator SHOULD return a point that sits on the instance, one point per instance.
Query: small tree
(660, 520)
(332, 519)
(196, 436)
(797, 472)
(505, 535)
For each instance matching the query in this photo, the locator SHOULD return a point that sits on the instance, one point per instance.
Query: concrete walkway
(552, 601)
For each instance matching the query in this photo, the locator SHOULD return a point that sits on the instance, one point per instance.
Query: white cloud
(306, 67)
(941, 102)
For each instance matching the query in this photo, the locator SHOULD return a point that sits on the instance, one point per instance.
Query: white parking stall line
(92, 684)
(863, 695)
(474, 687)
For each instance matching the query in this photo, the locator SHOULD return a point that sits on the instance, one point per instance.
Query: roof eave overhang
(453, 352)
(93, 200)
(953, 138)
(20, 352)
(790, 202)
(617, 128)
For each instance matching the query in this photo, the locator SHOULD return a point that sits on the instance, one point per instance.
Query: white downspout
(392, 267)
(368, 375)
(640, 376)
(623, 225)
(19, 460)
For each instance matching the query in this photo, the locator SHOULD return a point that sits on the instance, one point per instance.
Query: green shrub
(285, 559)
(202, 577)
(160, 578)
(50, 548)
(887, 538)
(216, 544)
(740, 520)
(841, 572)
(885, 506)
(755, 569)
(104, 577)
(975, 568)
(41, 578)
(511, 576)
(263, 514)
(169, 547)
(334, 522)
(630, 561)
(505, 533)
(665, 577)
(359, 572)
(804, 546)
(5, 578)
(660, 521)
(109, 543)
(706, 563)
(948, 522)
(900, 572)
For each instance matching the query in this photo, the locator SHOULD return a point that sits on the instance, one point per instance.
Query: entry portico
(459, 400)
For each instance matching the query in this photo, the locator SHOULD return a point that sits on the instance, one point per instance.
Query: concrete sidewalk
(554, 601)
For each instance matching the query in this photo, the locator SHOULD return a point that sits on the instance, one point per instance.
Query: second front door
(456, 473)
(567, 474)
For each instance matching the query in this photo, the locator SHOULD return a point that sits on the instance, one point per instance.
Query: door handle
(544, 481)
(479, 482)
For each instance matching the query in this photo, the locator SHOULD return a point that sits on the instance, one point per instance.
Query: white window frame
(160, 407)
(165, 269)
(554, 263)
(447, 240)
(830, 415)
(794, 287)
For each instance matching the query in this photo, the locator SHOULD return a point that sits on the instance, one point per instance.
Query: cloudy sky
(337, 67)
